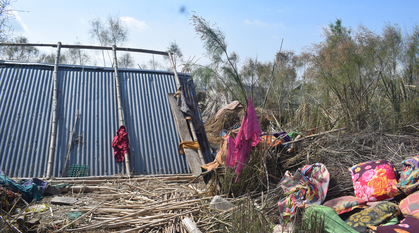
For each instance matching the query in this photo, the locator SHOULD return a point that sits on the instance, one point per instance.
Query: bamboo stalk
(70, 142)
(159, 221)
(54, 113)
(119, 102)
(75, 220)
(88, 47)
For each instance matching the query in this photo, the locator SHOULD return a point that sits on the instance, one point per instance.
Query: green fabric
(293, 134)
(332, 222)
(392, 221)
(29, 192)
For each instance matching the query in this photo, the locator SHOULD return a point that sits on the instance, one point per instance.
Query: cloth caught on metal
(187, 108)
(306, 187)
(120, 144)
(248, 137)
(188, 144)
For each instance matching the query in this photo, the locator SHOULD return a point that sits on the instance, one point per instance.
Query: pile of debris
(257, 199)
(121, 204)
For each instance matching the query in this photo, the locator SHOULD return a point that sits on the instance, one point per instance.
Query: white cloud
(21, 25)
(135, 24)
(256, 23)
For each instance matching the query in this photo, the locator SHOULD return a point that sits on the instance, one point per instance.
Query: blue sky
(252, 28)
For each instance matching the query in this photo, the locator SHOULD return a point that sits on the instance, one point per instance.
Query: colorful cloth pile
(375, 183)
(306, 187)
(32, 189)
(409, 177)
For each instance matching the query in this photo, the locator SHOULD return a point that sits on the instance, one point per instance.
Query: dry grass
(159, 203)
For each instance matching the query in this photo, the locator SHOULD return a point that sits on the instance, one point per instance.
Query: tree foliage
(20, 53)
(223, 65)
(112, 31)
(77, 56)
(6, 13)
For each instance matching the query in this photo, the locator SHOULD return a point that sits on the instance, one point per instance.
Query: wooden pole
(54, 113)
(119, 102)
(195, 138)
(88, 47)
(70, 142)
(188, 119)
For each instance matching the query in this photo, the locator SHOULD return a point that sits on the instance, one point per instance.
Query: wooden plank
(191, 155)
(63, 200)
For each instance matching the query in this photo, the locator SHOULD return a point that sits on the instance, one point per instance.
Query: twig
(259, 170)
(75, 220)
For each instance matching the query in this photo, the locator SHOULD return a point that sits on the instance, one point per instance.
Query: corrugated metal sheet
(25, 124)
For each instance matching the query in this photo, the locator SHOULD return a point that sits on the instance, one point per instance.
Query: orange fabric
(220, 158)
(177, 94)
(270, 140)
(188, 144)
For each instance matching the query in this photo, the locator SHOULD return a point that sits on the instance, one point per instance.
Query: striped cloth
(306, 187)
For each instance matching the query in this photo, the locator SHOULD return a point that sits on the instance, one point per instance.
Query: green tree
(126, 61)
(20, 53)
(77, 56)
(6, 13)
(223, 64)
(50, 58)
(177, 55)
(111, 32)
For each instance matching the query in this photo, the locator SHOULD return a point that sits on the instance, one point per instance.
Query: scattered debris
(63, 200)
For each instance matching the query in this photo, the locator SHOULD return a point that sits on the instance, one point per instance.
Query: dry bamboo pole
(75, 220)
(88, 47)
(125, 178)
(188, 119)
(54, 113)
(186, 179)
(70, 142)
(195, 138)
(119, 102)
(158, 221)
(314, 135)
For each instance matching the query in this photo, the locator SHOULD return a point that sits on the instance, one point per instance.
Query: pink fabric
(120, 144)
(248, 136)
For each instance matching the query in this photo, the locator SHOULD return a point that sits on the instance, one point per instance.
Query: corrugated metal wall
(25, 123)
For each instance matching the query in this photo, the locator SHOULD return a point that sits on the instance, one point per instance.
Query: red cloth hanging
(248, 137)
(120, 144)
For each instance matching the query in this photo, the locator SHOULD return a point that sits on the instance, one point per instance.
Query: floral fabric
(345, 204)
(374, 180)
(407, 225)
(373, 216)
(307, 186)
(410, 205)
(409, 177)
